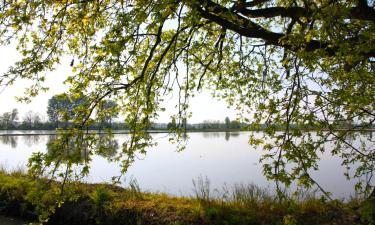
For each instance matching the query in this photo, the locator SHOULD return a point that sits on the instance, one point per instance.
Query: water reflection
(107, 147)
(9, 140)
(69, 149)
(224, 157)
(72, 157)
(31, 140)
(104, 146)
(212, 134)
(226, 135)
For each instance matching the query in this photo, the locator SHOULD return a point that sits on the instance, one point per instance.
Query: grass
(108, 204)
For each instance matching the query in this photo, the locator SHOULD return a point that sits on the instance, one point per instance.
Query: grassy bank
(107, 204)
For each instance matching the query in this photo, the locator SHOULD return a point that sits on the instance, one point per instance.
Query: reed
(107, 204)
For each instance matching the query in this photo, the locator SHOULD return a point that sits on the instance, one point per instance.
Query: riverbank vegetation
(81, 203)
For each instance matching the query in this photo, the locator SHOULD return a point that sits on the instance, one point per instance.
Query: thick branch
(245, 27)
(241, 25)
(292, 12)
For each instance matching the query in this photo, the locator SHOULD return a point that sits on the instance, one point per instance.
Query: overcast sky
(203, 106)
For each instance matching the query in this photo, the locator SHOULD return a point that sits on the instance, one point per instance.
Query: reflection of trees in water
(211, 134)
(227, 135)
(107, 147)
(68, 149)
(9, 140)
(51, 138)
(80, 148)
(30, 140)
(69, 155)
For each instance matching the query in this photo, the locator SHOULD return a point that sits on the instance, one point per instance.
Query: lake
(225, 158)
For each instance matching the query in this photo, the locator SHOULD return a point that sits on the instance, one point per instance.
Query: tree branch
(292, 12)
(245, 27)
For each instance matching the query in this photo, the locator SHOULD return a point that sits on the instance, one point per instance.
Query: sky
(203, 106)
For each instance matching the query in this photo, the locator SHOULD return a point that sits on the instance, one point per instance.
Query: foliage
(227, 122)
(8, 120)
(202, 189)
(172, 124)
(56, 104)
(100, 198)
(31, 120)
(307, 63)
(367, 211)
(108, 204)
(63, 108)
(106, 111)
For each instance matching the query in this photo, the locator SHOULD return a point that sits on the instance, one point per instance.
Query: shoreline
(109, 204)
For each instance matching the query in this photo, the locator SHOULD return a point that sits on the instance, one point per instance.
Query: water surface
(224, 158)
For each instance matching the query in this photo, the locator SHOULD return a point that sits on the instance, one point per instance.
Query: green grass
(108, 204)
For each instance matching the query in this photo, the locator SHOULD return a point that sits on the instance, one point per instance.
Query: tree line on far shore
(62, 109)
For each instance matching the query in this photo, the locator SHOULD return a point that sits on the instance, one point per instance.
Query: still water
(224, 158)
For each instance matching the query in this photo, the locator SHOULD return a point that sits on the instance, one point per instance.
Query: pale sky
(203, 105)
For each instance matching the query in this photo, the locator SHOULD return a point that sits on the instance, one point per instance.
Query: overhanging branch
(245, 27)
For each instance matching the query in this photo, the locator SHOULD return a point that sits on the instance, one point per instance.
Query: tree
(172, 124)
(106, 111)
(227, 123)
(8, 120)
(31, 120)
(301, 63)
(28, 119)
(14, 116)
(5, 120)
(235, 124)
(37, 120)
(55, 104)
(64, 108)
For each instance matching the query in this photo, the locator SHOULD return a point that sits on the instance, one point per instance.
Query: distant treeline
(35, 121)
(36, 124)
(62, 109)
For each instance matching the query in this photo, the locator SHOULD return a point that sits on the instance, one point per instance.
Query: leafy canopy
(293, 65)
